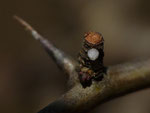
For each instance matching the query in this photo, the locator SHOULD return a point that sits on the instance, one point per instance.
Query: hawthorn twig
(63, 60)
(118, 80)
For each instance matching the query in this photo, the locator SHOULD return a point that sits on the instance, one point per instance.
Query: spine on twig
(91, 59)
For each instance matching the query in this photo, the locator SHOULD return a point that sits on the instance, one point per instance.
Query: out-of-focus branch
(120, 80)
(63, 60)
(92, 83)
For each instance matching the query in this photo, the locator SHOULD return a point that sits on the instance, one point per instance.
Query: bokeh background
(29, 79)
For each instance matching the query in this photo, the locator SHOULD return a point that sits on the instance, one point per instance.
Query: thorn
(34, 33)
(64, 61)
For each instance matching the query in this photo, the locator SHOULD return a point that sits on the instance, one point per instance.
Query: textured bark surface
(120, 80)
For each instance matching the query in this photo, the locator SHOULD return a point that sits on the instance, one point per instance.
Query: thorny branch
(64, 61)
(115, 81)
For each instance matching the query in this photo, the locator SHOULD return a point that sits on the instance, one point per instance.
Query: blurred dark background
(29, 79)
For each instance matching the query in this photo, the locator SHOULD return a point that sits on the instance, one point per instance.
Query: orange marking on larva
(93, 38)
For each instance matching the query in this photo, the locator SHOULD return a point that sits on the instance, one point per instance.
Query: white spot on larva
(93, 54)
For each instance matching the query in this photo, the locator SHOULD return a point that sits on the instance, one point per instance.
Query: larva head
(93, 39)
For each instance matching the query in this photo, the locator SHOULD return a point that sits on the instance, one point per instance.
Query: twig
(118, 80)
